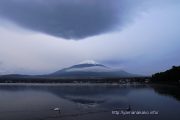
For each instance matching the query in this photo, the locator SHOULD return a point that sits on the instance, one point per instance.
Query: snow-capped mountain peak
(89, 69)
(88, 65)
(89, 62)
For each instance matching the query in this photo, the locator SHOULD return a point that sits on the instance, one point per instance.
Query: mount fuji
(90, 69)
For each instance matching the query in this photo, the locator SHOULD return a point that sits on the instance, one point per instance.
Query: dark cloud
(69, 19)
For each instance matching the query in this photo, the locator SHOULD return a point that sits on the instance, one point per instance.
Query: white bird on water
(57, 109)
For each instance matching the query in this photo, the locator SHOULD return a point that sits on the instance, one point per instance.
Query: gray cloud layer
(69, 19)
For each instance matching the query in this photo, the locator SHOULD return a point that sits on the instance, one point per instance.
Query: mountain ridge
(83, 70)
(90, 69)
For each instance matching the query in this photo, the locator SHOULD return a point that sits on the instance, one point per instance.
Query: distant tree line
(171, 75)
(27, 79)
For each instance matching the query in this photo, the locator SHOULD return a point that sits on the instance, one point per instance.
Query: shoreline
(87, 84)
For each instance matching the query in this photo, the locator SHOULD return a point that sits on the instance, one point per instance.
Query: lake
(89, 102)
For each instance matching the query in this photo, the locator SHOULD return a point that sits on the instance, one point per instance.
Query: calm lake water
(89, 102)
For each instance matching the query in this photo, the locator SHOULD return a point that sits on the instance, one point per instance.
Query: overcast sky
(42, 36)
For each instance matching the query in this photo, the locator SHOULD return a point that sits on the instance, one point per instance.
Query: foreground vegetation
(171, 75)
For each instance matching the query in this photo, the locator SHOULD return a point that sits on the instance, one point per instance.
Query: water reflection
(168, 90)
(84, 94)
(86, 102)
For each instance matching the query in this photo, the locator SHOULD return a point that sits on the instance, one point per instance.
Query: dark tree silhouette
(172, 74)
